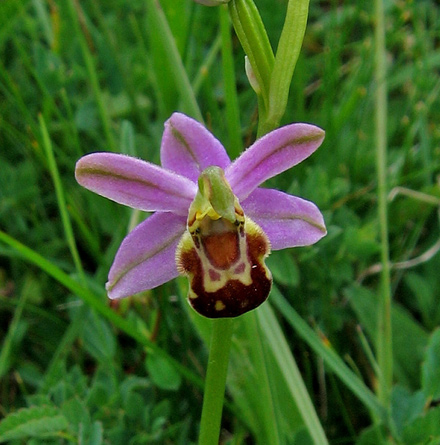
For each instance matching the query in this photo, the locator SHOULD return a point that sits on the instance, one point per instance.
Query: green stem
(289, 48)
(384, 339)
(221, 336)
(231, 99)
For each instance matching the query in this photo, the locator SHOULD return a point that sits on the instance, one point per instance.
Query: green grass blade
(59, 191)
(63, 347)
(74, 7)
(44, 19)
(293, 381)
(171, 58)
(94, 302)
(207, 65)
(384, 333)
(13, 96)
(125, 70)
(232, 109)
(262, 385)
(331, 359)
(6, 347)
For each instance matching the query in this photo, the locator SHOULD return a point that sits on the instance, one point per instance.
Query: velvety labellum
(224, 263)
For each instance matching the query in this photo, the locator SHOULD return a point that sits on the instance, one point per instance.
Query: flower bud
(251, 75)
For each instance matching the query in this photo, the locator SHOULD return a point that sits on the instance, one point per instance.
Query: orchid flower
(212, 222)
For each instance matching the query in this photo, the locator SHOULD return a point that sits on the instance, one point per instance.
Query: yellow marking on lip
(219, 305)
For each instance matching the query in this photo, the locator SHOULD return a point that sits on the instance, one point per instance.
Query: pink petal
(146, 257)
(287, 220)
(272, 154)
(188, 147)
(135, 183)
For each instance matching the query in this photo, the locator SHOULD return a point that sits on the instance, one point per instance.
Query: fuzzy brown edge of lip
(235, 298)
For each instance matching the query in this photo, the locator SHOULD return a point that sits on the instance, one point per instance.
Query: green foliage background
(78, 77)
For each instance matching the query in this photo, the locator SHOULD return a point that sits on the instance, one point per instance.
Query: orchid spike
(212, 222)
